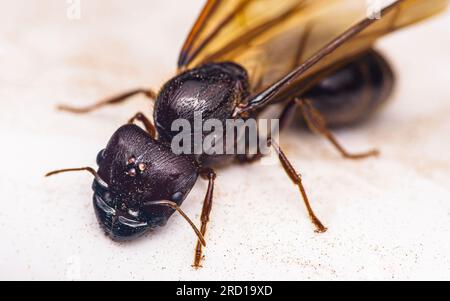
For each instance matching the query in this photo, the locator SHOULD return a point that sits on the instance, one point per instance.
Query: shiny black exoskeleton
(138, 169)
(213, 90)
(355, 92)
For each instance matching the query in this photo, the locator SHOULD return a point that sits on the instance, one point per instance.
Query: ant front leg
(210, 175)
(316, 123)
(149, 126)
(109, 101)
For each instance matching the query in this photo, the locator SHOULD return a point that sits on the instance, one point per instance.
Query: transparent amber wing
(270, 38)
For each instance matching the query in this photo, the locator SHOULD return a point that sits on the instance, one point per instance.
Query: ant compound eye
(100, 157)
(177, 197)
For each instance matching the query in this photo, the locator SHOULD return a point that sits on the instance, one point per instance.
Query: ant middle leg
(316, 123)
(297, 180)
(109, 101)
(285, 118)
(210, 175)
(149, 126)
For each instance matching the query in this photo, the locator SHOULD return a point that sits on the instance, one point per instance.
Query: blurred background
(389, 218)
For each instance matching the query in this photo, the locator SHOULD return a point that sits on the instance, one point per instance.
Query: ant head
(135, 173)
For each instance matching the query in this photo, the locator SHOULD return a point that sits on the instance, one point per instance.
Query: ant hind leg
(316, 123)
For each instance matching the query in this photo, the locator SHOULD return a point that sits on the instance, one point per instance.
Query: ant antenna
(158, 203)
(88, 169)
(178, 209)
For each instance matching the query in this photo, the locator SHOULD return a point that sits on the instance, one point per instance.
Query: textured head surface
(138, 170)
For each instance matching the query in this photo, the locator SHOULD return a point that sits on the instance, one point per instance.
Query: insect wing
(270, 38)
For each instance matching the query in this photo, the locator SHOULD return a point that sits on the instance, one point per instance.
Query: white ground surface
(388, 218)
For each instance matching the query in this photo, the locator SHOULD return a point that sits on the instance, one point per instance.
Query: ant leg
(296, 178)
(290, 170)
(147, 123)
(285, 118)
(109, 101)
(210, 175)
(286, 114)
(317, 123)
(293, 175)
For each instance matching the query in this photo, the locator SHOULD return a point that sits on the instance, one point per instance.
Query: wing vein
(262, 98)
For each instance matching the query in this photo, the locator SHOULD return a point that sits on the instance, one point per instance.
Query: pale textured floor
(389, 218)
